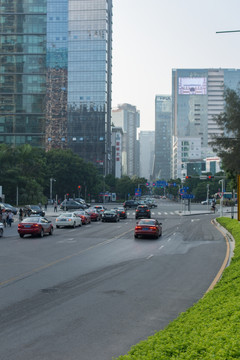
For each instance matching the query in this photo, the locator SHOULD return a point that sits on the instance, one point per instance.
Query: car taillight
(137, 210)
(36, 225)
(153, 227)
(148, 210)
(20, 226)
(138, 227)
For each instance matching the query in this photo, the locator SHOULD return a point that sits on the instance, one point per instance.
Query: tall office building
(55, 74)
(163, 137)
(127, 117)
(146, 144)
(198, 96)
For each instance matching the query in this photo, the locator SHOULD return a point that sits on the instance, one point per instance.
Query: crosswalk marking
(158, 213)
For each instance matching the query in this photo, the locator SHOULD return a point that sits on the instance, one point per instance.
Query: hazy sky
(150, 38)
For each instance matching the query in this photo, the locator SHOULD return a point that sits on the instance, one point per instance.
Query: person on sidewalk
(55, 206)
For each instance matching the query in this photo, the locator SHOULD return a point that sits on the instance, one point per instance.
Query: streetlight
(51, 180)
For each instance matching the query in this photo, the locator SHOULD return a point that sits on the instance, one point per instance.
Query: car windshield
(80, 213)
(31, 219)
(146, 222)
(66, 215)
(35, 207)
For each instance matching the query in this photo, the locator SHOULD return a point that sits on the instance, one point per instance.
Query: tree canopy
(227, 145)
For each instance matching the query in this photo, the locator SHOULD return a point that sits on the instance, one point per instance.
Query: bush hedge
(210, 329)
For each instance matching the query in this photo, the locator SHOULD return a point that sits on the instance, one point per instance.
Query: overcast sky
(150, 38)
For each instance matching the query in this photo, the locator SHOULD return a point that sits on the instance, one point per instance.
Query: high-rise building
(163, 137)
(197, 97)
(146, 143)
(127, 117)
(55, 74)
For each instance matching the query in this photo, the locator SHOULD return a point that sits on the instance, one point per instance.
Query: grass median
(210, 329)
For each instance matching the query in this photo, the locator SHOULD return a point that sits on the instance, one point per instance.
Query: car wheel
(57, 226)
(51, 231)
(21, 235)
(1, 232)
(74, 225)
(41, 233)
(136, 236)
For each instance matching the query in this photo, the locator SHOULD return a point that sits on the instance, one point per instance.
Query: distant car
(130, 204)
(33, 210)
(151, 204)
(35, 225)
(71, 205)
(84, 216)
(68, 219)
(1, 229)
(142, 211)
(148, 227)
(94, 214)
(110, 216)
(205, 202)
(122, 212)
(100, 208)
(8, 207)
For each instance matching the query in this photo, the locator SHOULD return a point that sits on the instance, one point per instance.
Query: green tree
(227, 145)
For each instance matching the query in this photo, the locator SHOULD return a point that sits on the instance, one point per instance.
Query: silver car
(68, 219)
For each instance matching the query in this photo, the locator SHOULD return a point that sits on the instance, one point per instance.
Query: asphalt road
(93, 292)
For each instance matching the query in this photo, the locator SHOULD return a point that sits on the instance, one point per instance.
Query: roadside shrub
(208, 330)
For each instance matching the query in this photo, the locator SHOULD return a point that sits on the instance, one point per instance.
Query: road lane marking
(150, 256)
(58, 261)
(161, 247)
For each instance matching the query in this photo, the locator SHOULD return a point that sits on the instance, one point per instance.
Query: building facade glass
(55, 76)
(22, 72)
(163, 137)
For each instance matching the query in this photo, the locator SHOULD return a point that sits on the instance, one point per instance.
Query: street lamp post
(51, 181)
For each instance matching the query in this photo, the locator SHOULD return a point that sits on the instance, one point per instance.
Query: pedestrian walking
(46, 204)
(0, 213)
(55, 206)
(20, 214)
(10, 218)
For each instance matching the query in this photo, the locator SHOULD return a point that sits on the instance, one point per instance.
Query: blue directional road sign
(188, 196)
(138, 192)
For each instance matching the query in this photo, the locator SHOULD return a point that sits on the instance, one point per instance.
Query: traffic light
(79, 187)
(210, 177)
(188, 177)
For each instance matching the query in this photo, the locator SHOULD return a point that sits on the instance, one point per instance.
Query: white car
(1, 229)
(68, 219)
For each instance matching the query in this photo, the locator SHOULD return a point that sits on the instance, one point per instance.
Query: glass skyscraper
(22, 71)
(56, 58)
(163, 137)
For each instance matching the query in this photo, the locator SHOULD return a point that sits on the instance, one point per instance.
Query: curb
(230, 242)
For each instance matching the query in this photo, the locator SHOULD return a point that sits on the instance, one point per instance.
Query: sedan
(110, 215)
(121, 212)
(84, 216)
(94, 214)
(8, 207)
(33, 209)
(148, 227)
(35, 225)
(68, 219)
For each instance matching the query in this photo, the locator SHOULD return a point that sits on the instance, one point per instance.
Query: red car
(148, 227)
(35, 225)
(94, 214)
(86, 218)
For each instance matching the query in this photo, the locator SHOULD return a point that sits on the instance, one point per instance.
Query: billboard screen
(192, 86)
